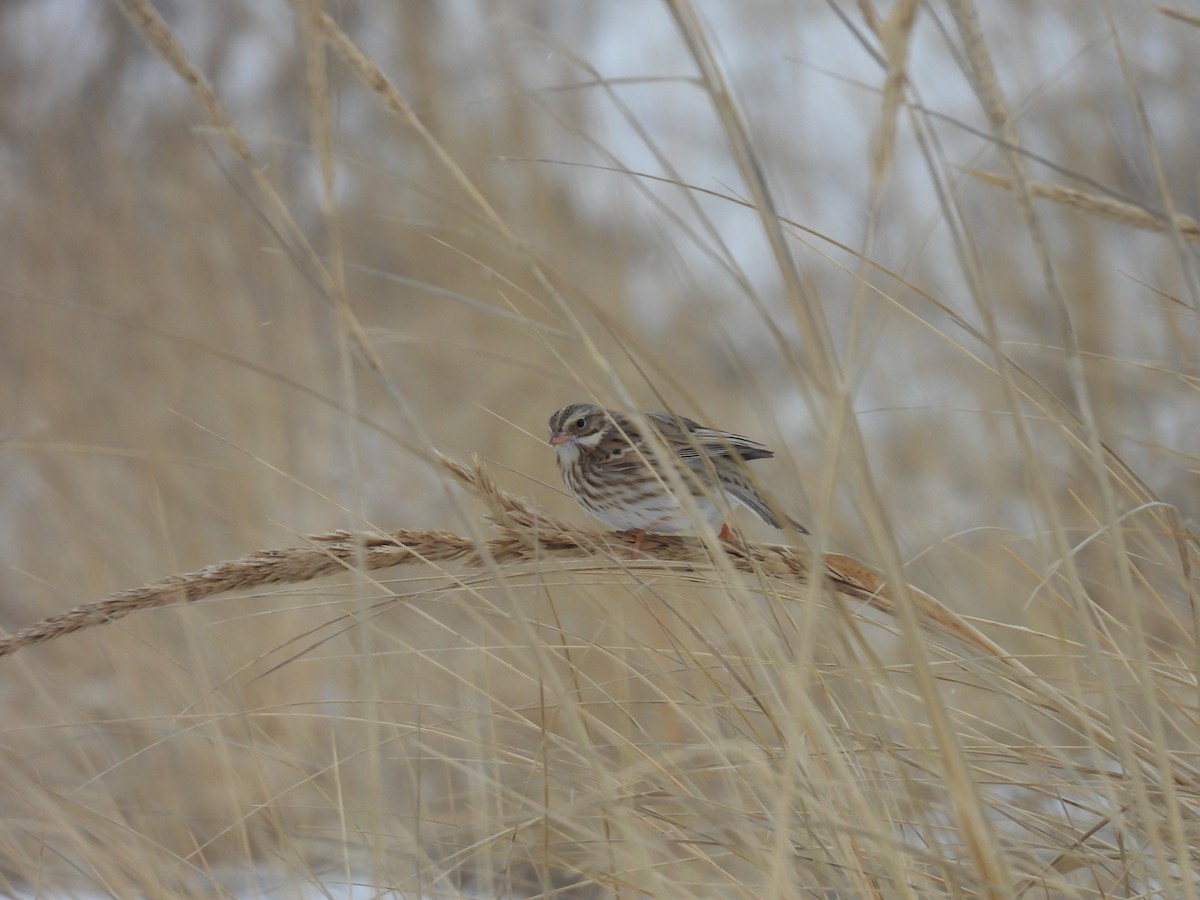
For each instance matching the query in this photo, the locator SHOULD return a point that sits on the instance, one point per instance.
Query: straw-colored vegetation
(271, 273)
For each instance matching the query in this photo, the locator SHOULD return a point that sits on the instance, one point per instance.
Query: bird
(614, 473)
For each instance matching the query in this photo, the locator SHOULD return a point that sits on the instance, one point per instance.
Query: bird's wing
(697, 439)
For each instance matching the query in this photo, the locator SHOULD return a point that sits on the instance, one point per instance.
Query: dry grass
(527, 537)
(236, 322)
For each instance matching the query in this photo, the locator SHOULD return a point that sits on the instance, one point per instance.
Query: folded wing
(698, 440)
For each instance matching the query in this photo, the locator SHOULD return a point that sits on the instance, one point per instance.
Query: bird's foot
(638, 535)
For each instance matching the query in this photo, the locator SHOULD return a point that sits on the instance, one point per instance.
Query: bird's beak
(557, 440)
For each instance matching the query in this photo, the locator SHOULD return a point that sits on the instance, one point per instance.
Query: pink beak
(557, 440)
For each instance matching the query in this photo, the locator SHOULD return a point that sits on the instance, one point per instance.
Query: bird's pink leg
(639, 534)
(638, 537)
(726, 532)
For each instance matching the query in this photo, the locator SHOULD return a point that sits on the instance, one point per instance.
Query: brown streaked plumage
(612, 470)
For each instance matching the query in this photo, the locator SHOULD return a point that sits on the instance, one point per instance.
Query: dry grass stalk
(528, 535)
(895, 32)
(1189, 18)
(1105, 207)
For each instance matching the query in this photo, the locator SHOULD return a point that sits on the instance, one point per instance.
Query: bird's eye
(579, 423)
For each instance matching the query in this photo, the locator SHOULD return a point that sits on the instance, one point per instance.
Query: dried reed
(1105, 207)
(526, 534)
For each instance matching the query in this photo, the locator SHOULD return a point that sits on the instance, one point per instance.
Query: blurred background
(177, 389)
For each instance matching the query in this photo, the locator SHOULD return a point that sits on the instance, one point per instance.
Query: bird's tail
(751, 498)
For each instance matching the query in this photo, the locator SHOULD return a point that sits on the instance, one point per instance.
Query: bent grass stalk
(527, 536)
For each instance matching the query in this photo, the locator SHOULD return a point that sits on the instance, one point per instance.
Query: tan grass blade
(1105, 207)
(1189, 18)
